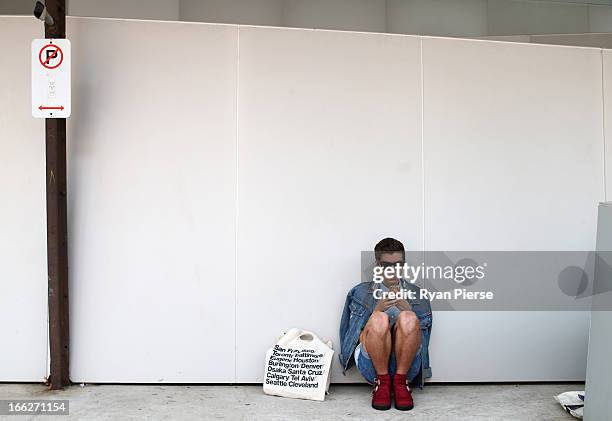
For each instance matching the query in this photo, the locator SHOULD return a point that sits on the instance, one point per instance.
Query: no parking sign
(51, 78)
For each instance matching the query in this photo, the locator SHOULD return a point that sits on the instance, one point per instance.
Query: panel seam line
(236, 210)
(422, 146)
(603, 125)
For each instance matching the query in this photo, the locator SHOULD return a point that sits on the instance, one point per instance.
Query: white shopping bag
(298, 366)
(572, 402)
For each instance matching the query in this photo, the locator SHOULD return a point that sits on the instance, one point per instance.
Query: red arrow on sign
(42, 107)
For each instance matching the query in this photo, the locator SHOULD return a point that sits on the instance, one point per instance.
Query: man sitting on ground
(387, 338)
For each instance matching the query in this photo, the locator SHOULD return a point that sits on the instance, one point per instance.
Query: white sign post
(51, 78)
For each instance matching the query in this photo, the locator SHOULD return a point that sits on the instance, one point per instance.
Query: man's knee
(378, 323)
(408, 323)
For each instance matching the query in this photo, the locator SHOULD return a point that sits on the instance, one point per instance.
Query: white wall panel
(152, 201)
(598, 387)
(328, 161)
(328, 164)
(23, 259)
(607, 106)
(513, 161)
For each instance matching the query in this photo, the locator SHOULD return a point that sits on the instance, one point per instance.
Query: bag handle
(306, 337)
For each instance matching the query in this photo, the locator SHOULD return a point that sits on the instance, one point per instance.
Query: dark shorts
(366, 368)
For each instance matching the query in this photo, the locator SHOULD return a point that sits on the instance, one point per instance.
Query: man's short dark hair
(388, 245)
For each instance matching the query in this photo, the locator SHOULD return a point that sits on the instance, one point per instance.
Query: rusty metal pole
(57, 226)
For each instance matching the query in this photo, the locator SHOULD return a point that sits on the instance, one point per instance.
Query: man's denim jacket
(358, 308)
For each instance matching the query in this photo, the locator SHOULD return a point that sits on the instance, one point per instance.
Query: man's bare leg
(376, 338)
(407, 338)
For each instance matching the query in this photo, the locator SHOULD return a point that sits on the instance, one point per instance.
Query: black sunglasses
(390, 264)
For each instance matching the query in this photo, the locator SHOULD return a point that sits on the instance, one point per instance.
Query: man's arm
(346, 315)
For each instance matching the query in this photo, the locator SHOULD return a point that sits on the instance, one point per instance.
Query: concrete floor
(158, 402)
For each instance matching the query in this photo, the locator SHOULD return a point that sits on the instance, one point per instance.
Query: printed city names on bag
(294, 367)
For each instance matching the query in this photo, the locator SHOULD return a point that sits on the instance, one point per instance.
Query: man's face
(391, 259)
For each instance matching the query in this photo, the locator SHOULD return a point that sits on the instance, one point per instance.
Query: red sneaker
(381, 395)
(403, 394)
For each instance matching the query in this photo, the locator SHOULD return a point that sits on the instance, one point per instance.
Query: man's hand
(403, 305)
(386, 303)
